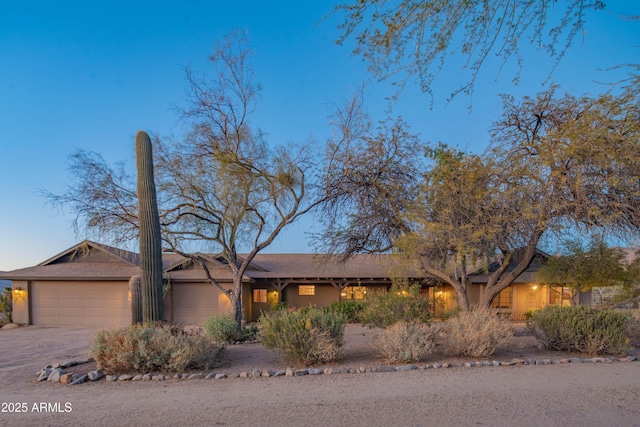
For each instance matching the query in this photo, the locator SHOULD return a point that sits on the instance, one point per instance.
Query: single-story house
(88, 284)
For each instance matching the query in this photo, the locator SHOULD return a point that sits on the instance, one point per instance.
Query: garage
(90, 303)
(195, 303)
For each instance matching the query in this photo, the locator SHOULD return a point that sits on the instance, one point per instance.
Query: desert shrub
(280, 306)
(633, 324)
(405, 342)
(154, 348)
(475, 333)
(580, 328)
(6, 306)
(350, 309)
(223, 328)
(305, 336)
(249, 332)
(401, 303)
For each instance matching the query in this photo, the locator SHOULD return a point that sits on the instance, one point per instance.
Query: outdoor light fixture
(17, 291)
(535, 287)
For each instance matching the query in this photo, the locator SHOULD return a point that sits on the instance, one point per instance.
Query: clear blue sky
(89, 74)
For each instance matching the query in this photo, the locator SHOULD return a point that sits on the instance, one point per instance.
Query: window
(306, 290)
(259, 295)
(354, 292)
(503, 299)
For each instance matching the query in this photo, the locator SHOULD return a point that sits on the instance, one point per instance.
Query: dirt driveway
(585, 394)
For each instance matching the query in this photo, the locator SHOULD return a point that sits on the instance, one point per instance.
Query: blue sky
(88, 75)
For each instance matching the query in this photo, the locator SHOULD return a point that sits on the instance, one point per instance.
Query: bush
(154, 348)
(5, 306)
(475, 333)
(350, 309)
(401, 303)
(406, 342)
(580, 328)
(223, 328)
(307, 336)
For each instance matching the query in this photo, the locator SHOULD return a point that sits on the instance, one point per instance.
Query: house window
(306, 290)
(259, 295)
(504, 299)
(354, 292)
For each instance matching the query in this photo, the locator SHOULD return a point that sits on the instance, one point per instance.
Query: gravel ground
(568, 394)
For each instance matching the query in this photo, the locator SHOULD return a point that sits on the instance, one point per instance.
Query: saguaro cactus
(135, 290)
(150, 240)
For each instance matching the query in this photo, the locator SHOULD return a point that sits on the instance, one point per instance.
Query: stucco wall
(325, 294)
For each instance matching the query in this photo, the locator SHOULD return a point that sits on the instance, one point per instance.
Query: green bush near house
(308, 336)
(475, 333)
(223, 328)
(6, 305)
(350, 309)
(580, 328)
(154, 348)
(401, 303)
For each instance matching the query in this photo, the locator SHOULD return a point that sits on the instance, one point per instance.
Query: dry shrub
(306, 336)
(475, 333)
(580, 328)
(406, 342)
(401, 303)
(154, 348)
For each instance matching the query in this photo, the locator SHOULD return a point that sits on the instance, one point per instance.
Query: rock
(66, 378)
(111, 378)
(315, 371)
(177, 377)
(279, 373)
(468, 364)
(517, 361)
(328, 371)
(79, 380)
(55, 374)
(406, 368)
(125, 377)
(437, 365)
(137, 378)
(289, 372)
(564, 360)
(384, 369)
(496, 363)
(197, 376)
(446, 365)
(509, 363)
(95, 375)
(10, 326)
(300, 372)
(147, 377)
(220, 376)
(256, 373)
(211, 376)
(267, 373)
(244, 375)
(43, 374)
(629, 359)
(575, 360)
(158, 377)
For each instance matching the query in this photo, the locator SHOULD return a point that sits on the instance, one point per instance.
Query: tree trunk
(462, 297)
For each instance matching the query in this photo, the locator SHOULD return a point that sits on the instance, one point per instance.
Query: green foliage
(154, 348)
(580, 328)
(249, 332)
(401, 303)
(223, 328)
(583, 269)
(351, 309)
(149, 237)
(406, 342)
(6, 306)
(280, 306)
(305, 336)
(475, 333)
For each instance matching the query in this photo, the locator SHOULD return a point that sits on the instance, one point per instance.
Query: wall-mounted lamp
(17, 291)
(534, 287)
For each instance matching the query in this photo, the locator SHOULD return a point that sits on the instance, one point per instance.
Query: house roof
(527, 276)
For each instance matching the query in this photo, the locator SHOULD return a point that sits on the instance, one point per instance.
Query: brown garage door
(80, 303)
(194, 303)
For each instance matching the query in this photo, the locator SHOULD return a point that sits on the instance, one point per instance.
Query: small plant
(401, 303)
(249, 333)
(305, 336)
(475, 333)
(6, 305)
(351, 309)
(280, 306)
(580, 328)
(406, 342)
(222, 328)
(154, 348)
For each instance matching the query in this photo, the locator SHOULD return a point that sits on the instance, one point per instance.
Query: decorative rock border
(55, 373)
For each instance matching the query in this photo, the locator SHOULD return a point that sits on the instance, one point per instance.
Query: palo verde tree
(582, 269)
(556, 163)
(221, 188)
(406, 39)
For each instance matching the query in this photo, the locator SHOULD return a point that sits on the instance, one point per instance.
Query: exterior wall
(195, 303)
(528, 296)
(21, 309)
(445, 299)
(325, 294)
(100, 303)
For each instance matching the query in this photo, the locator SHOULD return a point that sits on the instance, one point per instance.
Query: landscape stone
(137, 378)
(220, 376)
(66, 378)
(244, 375)
(328, 371)
(384, 369)
(146, 377)
(43, 374)
(301, 372)
(406, 368)
(315, 371)
(256, 373)
(197, 376)
(79, 380)
(55, 375)
(95, 375)
(289, 372)
(125, 377)
(111, 378)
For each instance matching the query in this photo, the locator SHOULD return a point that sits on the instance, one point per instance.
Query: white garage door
(80, 303)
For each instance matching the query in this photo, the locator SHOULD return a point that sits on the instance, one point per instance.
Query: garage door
(194, 303)
(80, 303)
